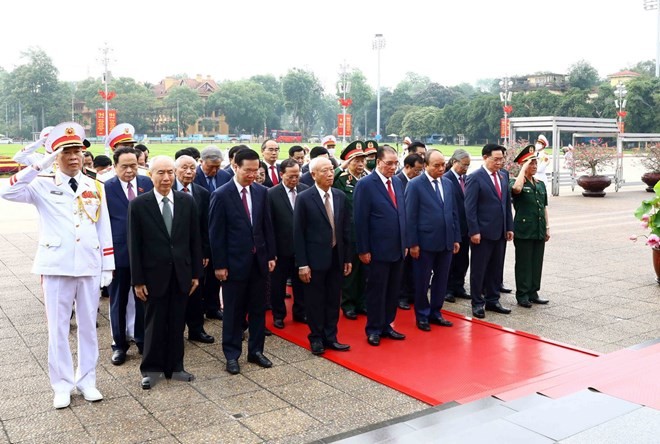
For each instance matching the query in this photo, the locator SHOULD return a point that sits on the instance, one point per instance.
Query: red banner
(100, 121)
(340, 125)
(504, 128)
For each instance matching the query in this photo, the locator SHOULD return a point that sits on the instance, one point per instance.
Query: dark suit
(432, 224)
(282, 214)
(120, 287)
(166, 264)
(491, 217)
(243, 247)
(211, 286)
(194, 309)
(307, 179)
(380, 230)
(229, 170)
(268, 181)
(461, 260)
(407, 294)
(313, 246)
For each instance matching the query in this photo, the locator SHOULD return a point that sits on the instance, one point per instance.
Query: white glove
(34, 146)
(47, 161)
(106, 278)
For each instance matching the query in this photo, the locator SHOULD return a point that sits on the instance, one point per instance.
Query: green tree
(643, 105)
(603, 104)
(582, 75)
(419, 121)
(189, 104)
(435, 95)
(246, 105)
(574, 104)
(302, 91)
(395, 122)
(646, 68)
(362, 95)
(483, 118)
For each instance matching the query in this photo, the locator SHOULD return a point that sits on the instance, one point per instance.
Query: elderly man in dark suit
(283, 199)
(243, 253)
(211, 176)
(380, 222)
(270, 150)
(490, 226)
(317, 151)
(184, 169)
(166, 262)
(322, 222)
(433, 237)
(413, 165)
(120, 191)
(460, 162)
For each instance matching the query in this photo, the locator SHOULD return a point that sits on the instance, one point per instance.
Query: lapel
(285, 197)
(154, 209)
(118, 191)
(238, 203)
(178, 215)
(316, 197)
(428, 186)
(487, 175)
(335, 204)
(383, 188)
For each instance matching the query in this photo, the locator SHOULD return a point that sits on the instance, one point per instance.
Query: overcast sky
(449, 41)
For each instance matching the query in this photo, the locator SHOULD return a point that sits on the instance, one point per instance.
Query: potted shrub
(648, 213)
(651, 161)
(592, 159)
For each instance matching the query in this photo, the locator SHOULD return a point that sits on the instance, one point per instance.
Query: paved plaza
(603, 297)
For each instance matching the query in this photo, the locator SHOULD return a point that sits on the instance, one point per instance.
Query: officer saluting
(74, 257)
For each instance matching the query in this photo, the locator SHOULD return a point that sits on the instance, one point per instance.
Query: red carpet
(468, 361)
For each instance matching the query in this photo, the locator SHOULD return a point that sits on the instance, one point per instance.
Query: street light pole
(505, 97)
(651, 5)
(378, 44)
(344, 87)
(178, 130)
(106, 60)
(620, 103)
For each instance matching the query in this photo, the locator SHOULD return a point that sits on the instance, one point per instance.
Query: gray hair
(315, 161)
(460, 154)
(158, 159)
(212, 153)
(184, 158)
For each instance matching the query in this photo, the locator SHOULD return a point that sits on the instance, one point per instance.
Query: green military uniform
(353, 299)
(529, 228)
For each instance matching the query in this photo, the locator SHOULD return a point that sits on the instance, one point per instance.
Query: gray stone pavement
(603, 297)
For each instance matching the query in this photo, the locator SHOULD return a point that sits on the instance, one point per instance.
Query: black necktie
(73, 184)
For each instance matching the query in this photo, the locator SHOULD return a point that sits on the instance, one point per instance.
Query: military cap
(353, 150)
(371, 147)
(65, 135)
(122, 133)
(527, 153)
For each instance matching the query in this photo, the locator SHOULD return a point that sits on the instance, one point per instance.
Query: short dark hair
(234, 149)
(194, 152)
(490, 147)
(413, 146)
(181, 152)
(287, 163)
(119, 151)
(380, 153)
(242, 155)
(141, 147)
(88, 154)
(411, 159)
(295, 149)
(102, 161)
(317, 151)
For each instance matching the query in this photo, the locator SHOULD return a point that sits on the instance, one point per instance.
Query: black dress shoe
(373, 340)
(450, 298)
(403, 305)
(259, 359)
(146, 383)
(503, 289)
(350, 314)
(278, 323)
(267, 332)
(214, 314)
(478, 313)
(183, 376)
(497, 308)
(539, 301)
(525, 304)
(118, 357)
(423, 325)
(463, 295)
(338, 346)
(317, 348)
(442, 322)
(301, 319)
(233, 367)
(201, 337)
(392, 334)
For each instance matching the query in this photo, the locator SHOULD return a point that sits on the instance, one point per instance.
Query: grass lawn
(170, 148)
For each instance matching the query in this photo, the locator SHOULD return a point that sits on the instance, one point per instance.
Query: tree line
(34, 97)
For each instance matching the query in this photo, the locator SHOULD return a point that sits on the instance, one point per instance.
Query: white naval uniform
(72, 252)
(541, 164)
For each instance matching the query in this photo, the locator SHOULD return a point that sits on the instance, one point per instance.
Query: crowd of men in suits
(359, 236)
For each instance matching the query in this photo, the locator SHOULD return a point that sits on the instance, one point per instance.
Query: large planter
(656, 264)
(650, 179)
(594, 185)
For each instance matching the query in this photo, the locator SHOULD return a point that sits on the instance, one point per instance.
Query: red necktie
(273, 176)
(461, 181)
(185, 189)
(245, 204)
(390, 191)
(130, 193)
(497, 185)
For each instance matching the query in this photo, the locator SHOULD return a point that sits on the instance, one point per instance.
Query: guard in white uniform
(74, 257)
(542, 160)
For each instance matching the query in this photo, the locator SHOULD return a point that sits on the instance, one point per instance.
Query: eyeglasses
(391, 163)
(272, 150)
(497, 159)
